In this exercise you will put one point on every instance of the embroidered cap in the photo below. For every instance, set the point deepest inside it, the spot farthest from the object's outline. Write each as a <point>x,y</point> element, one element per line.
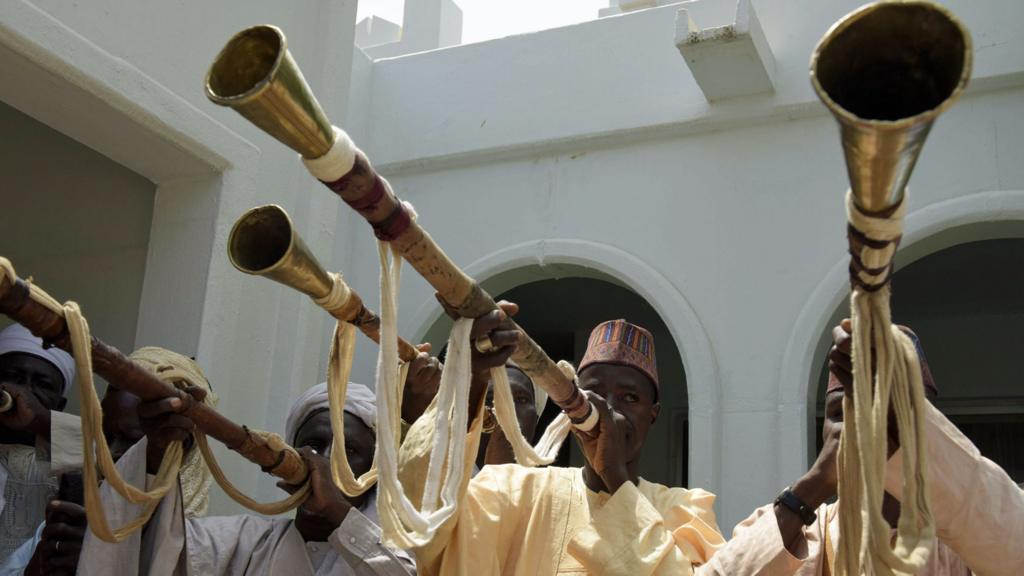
<point>624,344</point>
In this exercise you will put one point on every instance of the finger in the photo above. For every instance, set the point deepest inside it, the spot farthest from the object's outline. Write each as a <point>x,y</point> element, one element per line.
<point>501,338</point>
<point>493,359</point>
<point>67,560</point>
<point>197,392</point>
<point>847,325</point>
<point>844,376</point>
<point>841,358</point>
<point>69,512</point>
<point>314,461</point>
<point>510,308</point>
<point>487,323</point>
<point>289,488</point>
<point>601,405</point>
<point>435,370</point>
<point>171,405</point>
<point>425,347</point>
<point>842,339</point>
<point>62,531</point>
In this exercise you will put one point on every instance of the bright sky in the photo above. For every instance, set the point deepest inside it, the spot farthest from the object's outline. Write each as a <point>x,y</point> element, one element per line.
<point>486,19</point>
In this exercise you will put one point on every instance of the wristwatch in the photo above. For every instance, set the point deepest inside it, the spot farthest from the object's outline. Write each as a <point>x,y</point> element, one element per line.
<point>791,501</point>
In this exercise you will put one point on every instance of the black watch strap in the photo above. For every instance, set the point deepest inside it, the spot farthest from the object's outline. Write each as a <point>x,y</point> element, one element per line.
<point>791,501</point>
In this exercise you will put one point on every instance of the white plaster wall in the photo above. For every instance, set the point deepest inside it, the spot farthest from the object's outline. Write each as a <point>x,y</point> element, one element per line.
<point>142,65</point>
<point>596,134</point>
<point>587,145</point>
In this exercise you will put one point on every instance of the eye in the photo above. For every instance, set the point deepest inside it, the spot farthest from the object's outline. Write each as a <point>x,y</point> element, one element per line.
<point>631,397</point>
<point>521,399</point>
<point>835,414</point>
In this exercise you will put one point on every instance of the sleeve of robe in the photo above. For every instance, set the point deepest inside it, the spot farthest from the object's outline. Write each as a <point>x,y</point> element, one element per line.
<point>667,532</point>
<point>978,509</point>
<point>133,556</point>
<point>358,541</point>
<point>757,548</point>
<point>65,443</point>
<point>482,513</point>
<point>16,563</point>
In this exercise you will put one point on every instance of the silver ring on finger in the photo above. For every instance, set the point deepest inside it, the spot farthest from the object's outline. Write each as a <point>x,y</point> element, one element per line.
<point>57,547</point>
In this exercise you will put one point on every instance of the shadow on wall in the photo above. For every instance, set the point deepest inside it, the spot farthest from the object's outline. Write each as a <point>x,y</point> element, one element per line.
<point>966,305</point>
<point>559,315</point>
<point>77,223</point>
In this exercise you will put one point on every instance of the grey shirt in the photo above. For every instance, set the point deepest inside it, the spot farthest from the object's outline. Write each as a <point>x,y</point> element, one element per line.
<point>241,545</point>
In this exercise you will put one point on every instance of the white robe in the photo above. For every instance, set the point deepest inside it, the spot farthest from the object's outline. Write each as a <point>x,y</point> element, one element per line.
<point>29,478</point>
<point>232,545</point>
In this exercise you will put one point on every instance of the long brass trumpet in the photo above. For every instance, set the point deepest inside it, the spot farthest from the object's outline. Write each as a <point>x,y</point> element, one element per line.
<point>263,242</point>
<point>886,71</point>
<point>255,74</point>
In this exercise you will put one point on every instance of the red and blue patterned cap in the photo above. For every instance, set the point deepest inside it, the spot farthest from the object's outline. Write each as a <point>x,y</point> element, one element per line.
<point>624,344</point>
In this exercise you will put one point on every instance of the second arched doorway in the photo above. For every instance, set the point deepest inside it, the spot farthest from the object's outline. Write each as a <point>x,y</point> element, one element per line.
<point>559,315</point>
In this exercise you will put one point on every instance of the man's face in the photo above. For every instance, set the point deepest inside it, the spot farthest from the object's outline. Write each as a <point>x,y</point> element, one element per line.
<point>522,396</point>
<point>121,423</point>
<point>523,399</point>
<point>833,414</point>
<point>35,374</point>
<point>360,443</point>
<point>631,399</point>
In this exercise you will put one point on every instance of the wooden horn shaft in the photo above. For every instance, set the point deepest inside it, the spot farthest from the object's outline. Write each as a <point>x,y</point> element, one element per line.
<point>368,322</point>
<point>364,190</point>
<point>123,373</point>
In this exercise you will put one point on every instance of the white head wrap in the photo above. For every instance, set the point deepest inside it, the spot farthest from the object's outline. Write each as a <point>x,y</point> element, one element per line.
<point>174,368</point>
<point>17,338</point>
<point>360,402</point>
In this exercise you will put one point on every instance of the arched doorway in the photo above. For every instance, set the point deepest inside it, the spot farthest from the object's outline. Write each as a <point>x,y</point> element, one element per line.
<point>989,215</point>
<point>559,314</point>
<point>966,304</point>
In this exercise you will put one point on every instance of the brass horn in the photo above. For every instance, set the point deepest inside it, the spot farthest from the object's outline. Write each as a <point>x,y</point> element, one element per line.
<point>263,242</point>
<point>255,74</point>
<point>886,71</point>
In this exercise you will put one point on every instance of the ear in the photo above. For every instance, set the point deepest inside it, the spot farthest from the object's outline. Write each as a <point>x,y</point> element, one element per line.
<point>655,410</point>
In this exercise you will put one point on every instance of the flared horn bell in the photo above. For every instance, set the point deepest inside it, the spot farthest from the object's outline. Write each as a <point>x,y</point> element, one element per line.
<point>886,71</point>
<point>263,242</point>
<point>256,75</point>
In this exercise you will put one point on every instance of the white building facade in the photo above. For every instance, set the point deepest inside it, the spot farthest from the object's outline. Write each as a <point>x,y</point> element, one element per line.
<point>585,162</point>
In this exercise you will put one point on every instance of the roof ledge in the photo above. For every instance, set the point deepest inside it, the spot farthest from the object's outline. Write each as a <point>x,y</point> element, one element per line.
<point>726,61</point>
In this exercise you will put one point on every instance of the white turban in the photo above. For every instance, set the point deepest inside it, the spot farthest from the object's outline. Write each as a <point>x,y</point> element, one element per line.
<point>172,368</point>
<point>360,402</point>
<point>17,338</point>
